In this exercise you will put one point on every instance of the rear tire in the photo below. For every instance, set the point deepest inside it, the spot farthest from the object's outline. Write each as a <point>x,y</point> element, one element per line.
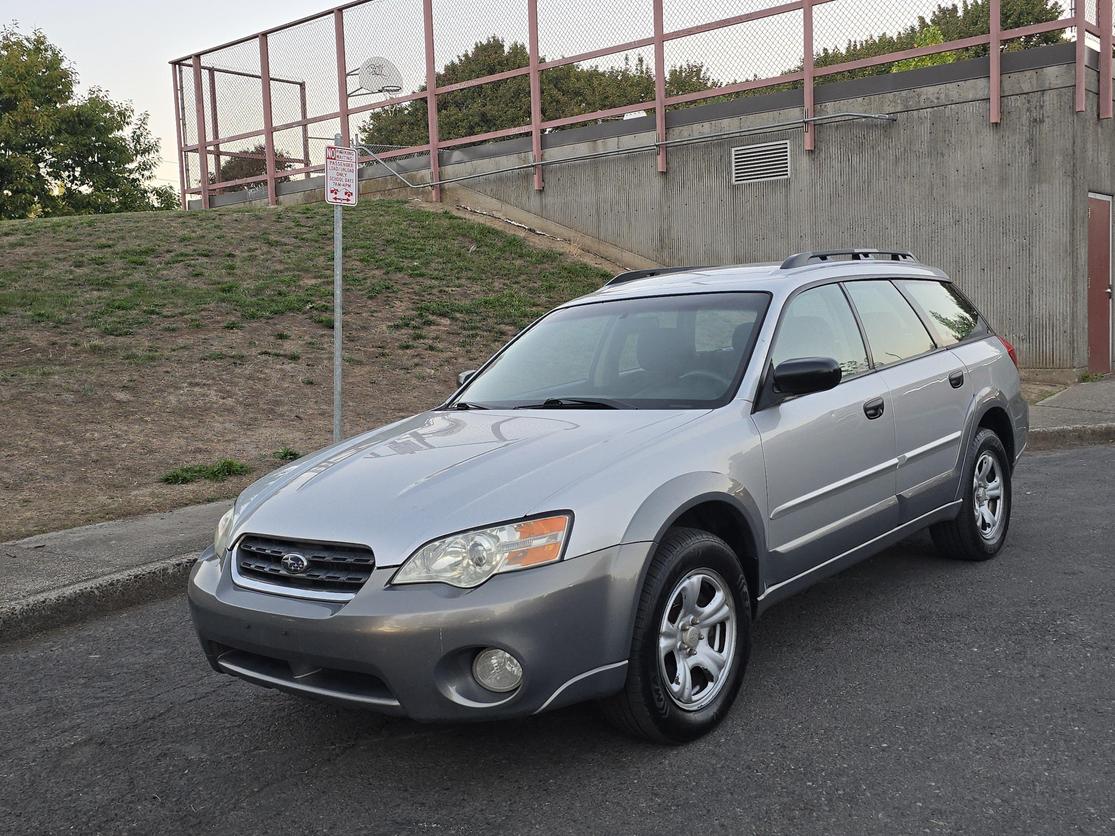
<point>980,529</point>
<point>691,642</point>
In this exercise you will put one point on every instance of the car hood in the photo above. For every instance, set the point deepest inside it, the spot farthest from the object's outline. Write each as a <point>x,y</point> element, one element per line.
<point>441,472</point>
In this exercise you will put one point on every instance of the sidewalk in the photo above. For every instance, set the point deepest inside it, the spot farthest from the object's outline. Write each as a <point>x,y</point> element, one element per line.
<point>53,578</point>
<point>1082,414</point>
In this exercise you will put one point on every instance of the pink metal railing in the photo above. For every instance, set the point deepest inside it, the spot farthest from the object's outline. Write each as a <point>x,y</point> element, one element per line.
<point>210,144</point>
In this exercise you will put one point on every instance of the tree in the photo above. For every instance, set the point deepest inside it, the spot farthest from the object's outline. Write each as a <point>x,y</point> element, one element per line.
<point>566,91</point>
<point>61,154</point>
<point>250,163</point>
<point>946,23</point>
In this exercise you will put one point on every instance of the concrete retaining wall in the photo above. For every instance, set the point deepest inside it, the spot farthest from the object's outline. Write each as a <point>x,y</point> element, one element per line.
<point>1001,208</point>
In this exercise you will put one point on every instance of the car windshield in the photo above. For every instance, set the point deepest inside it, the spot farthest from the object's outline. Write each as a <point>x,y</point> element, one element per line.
<point>663,352</point>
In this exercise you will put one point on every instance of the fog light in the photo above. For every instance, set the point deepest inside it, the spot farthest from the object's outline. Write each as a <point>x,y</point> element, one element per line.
<point>497,670</point>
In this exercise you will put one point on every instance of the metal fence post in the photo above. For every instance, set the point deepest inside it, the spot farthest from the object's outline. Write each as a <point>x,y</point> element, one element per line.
<point>268,131</point>
<point>659,86</point>
<point>342,72</point>
<point>995,60</point>
<point>1081,55</point>
<point>303,109</point>
<point>216,126</point>
<point>202,147</point>
<point>176,81</point>
<point>807,73</point>
<point>1104,20</point>
<point>535,93</point>
<point>431,95</point>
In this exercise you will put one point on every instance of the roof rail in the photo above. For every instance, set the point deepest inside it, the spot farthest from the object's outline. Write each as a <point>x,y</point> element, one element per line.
<point>649,272</point>
<point>855,254</point>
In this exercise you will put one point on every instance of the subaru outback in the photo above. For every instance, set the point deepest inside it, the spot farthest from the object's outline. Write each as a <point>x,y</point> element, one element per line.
<point>602,510</point>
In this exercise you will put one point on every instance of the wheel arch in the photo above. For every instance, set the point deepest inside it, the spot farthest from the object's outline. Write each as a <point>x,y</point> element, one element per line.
<point>996,418</point>
<point>712,502</point>
<point>990,411</point>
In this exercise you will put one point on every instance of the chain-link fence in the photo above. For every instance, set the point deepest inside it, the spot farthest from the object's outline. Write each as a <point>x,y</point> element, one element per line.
<point>411,77</point>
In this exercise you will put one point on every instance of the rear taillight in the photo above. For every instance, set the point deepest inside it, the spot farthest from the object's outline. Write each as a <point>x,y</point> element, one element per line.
<point>1010,350</point>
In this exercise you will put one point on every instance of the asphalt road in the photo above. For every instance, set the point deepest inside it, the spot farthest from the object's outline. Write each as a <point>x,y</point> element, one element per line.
<point>908,695</point>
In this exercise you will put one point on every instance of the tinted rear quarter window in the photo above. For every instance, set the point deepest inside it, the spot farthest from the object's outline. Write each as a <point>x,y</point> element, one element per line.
<point>894,330</point>
<point>952,317</point>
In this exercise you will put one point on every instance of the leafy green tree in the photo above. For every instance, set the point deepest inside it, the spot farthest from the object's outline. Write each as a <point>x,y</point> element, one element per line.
<point>929,36</point>
<point>254,164</point>
<point>566,91</point>
<point>64,155</point>
<point>948,23</point>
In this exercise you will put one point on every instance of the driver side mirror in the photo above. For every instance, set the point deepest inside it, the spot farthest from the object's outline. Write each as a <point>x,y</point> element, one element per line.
<point>806,375</point>
<point>465,377</point>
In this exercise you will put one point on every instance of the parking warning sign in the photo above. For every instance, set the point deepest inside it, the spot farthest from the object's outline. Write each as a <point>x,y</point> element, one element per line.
<point>340,176</point>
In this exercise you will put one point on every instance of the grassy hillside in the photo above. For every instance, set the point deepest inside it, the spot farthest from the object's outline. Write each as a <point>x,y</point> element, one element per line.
<point>189,347</point>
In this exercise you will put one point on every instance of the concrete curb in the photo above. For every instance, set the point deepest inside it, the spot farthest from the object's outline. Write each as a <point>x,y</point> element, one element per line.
<point>95,597</point>
<point>1054,438</point>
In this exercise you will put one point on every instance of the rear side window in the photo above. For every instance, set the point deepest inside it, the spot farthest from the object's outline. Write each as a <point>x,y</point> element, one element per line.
<point>894,330</point>
<point>950,315</point>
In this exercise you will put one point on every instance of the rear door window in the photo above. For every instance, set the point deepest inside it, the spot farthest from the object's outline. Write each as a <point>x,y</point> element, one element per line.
<point>952,317</point>
<point>894,330</point>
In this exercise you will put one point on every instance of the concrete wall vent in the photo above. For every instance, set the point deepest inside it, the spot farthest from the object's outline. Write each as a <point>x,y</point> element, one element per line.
<point>762,162</point>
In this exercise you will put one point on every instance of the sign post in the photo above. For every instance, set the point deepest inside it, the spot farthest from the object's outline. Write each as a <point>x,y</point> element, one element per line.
<point>340,190</point>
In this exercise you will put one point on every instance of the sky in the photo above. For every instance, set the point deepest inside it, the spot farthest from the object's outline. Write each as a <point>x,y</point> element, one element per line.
<point>125,48</point>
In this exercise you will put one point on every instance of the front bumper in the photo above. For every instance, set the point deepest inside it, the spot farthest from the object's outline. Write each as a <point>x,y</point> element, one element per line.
<point>408,650</point>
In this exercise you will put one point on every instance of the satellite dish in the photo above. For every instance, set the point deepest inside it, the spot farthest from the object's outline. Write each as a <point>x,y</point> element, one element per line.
<point>378,75</point>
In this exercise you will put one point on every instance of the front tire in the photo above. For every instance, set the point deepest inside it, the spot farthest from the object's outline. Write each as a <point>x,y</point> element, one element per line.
<point>980,529</point>
<point>691,642</point>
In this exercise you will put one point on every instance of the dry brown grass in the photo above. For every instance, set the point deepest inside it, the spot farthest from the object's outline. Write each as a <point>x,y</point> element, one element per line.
<point>132,345</point>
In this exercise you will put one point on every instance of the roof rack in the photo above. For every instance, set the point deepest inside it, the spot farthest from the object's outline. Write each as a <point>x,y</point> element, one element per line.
<point>856,254</point>
<point>649,272</point>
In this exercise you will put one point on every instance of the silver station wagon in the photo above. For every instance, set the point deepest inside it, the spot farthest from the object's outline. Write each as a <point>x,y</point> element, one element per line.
<point>603,509</point>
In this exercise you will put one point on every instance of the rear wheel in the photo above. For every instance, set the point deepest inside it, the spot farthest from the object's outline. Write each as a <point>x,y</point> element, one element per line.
<point>980,529</point>
<point>691,642</point>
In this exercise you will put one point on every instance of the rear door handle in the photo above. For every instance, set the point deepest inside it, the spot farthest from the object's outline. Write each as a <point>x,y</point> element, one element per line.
<point>874,409</point>
<point>956,380</point>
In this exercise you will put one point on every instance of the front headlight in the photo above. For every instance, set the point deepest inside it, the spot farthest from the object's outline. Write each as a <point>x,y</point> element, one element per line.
<point>224,529</point>
<point>470,558</point>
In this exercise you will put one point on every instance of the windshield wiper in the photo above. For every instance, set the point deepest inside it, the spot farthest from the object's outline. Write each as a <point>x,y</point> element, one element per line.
<point>576,403</point>
<point>468,405</point>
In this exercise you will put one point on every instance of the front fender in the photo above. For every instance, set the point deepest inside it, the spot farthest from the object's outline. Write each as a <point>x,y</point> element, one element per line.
<point>671,500</point>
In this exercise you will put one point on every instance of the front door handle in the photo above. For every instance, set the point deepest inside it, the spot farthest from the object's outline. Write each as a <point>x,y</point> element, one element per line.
<point>874,409</point>
<point>956,380</point>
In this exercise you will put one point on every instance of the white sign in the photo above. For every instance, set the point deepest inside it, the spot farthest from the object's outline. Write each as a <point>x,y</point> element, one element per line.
<point>340,176</point>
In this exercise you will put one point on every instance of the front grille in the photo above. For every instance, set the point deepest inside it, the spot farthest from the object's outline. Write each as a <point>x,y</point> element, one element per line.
<point>333,567</point>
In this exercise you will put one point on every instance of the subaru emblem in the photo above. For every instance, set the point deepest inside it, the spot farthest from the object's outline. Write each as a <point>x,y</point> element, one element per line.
<point>295,564</point>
